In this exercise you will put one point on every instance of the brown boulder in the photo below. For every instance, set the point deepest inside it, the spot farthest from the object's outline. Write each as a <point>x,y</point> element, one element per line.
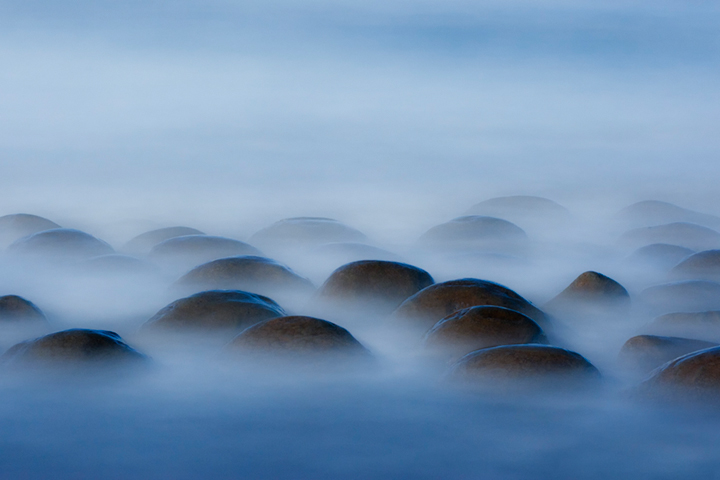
<point>474,231</point>
<point>704,325</point>
<point>647,352</point>
<point>374,283</point>
<point>437,301</point>
<point>685,295</point>
<point>17,309</point>
<point>694,375</point>
<point>590,291</point>
<point>699,266</point>
<point>475,328</point>
<point>63,243</point>
<point>305,231</point>
<point>659,255</point>
<point>188,251</point>
<point>143,243</point>
<point>215,310</point>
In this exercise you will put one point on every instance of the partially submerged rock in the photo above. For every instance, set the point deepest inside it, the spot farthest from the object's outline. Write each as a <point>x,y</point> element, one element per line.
<point>688,235</point>
<point>533,363</point>
<point>428,306</point>
<point>374,284</point>
<point>346,252</point>
<point>475,231</point>
<point>702,265</point>
<point>16,309</point>
<point>590,291</point>
<point>705,325</point>
<point>480,327</point>
<point>143,243</point>
<point>297,336</point>
<point>224,310</point>
<point>695,375</point>
<point>686,295</point>
<point>525,210</point>
<point>659,255</point>
<point>653,212</point>
<point>60,243</point>
<point>117,264</point>
<point>647,352</point>
<point>19,225</point>
<point>188,251</point>
<point>75,347</point>
<point>250,273</point>
<point>304,232</point>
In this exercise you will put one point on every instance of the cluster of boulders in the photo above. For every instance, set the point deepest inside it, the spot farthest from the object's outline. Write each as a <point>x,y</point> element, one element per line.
<point>485,333</point>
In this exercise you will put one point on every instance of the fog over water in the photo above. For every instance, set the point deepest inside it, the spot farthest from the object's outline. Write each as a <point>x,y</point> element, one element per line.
<point>391,117</point>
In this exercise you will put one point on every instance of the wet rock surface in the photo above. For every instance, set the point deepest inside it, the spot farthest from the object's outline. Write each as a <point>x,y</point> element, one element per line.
<point>143,243</point>
<point>524,362</point>
<point>224,310</point>
<point>647,352</point>
<point>428,306</point>
<point>17,309</point>
<point>60,243</point>
<point>590,291</point>
<point>297,335</point>
<point>695,375</point>
<point>75,347</point>
<point>476,328</point>
<point>374,284</point>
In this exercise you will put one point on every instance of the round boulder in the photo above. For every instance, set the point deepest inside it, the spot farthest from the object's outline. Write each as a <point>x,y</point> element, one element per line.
<point>215,310</point>
<point>688,295</point>
<point>475,328</point>
<point>143,243</point>
<point>474,231</point>
<point>116,264</point>
<point>305,231</point>
<point>687,235</point>
<point>647,352</point>
<point>590,290</point>
<point>704,325</point>
<point>700,266</point>
<point>19,225</point>
<point>188,251</point>
<point>297,335</point>
<point>374,283</point>
<point>437,301</point>
<point>696,374</point>
<point>524,362</point>
<point>17,309</point>
<point>73,347</point>
<point>250,273</point>
<point>62,243</point>
<point>659,255</point>
<point>525,210</point>
<point>653,212</point>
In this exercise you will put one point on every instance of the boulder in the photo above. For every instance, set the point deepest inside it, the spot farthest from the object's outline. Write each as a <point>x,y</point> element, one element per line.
<point>73,347</point>
<point>305,231</point>
<point>16,309</point>
<point>297,335</point>
<point>215,310</point>
<point>143,243</point>
<point>475,231</point>
<point>705,325</point>
<point>437,301</point>
<point>688,295</point>
<point>590,291</point>
<point>647,352</point>
<point>525,210</point>
<point>699,266</point>
<point>523,362</point>
<point>346,252</point>
<point>684,234</point>
<point>117,264</point>
<point>19,225</point>
<point>60,243</point>
<point>695,375</point>
<point>476,328</point>
<point>374,283</point>
<point>189,251</point>
<point>659,255</point>
<point>653,212</point>
<point>254,274</point>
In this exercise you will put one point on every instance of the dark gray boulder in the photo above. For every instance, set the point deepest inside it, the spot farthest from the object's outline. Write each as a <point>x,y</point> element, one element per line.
<point>653,212</point>
<point>699,266</point>
<point>189,251</point>
<point>143,243</point>
<point>688,235</point>
<point>473,232</point>
<point>15,309</point>
<point>705,325</point>
<point>688,295</point>
<point>661,256</point>
<point>60,243</point>
<point>303,232</point>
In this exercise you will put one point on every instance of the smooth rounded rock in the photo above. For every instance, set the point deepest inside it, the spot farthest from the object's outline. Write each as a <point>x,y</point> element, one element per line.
<point>704,325</point>
<point>191,250</point>
<point>695,375</point>
<point>437,301</point>
<point>297,335</point>
<point>688,295</point>
<point>653,212</point>
<point>688,235</point>
<point>524,210</point>
<point>346,252</point>
<point>143,243</point>
<point>374,283</point>
<point>73,347</point>
<point>699,266</point>
<point>250,273</point>
<point>647,352</point>
<point>306,231</point>
<point>215,310</point>
<point>18,225</point>
<point>590,290</point>
<point>660,255</point>
<point>61,243</point>
<point>475,328</point>
<point>524,362</point>
<point>117,264</point>
<point>474,231</point>
<point>17,309</point>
